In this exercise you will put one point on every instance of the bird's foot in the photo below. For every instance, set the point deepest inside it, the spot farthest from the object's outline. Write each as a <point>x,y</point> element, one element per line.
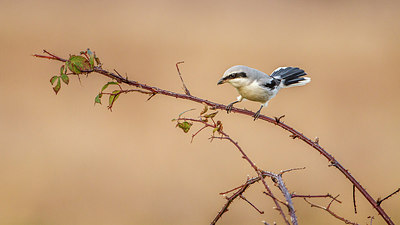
<point>229,108</point>
<point>256,115</point>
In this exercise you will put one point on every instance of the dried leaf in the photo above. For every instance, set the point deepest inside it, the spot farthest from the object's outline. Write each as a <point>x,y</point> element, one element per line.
<point>205,109</point>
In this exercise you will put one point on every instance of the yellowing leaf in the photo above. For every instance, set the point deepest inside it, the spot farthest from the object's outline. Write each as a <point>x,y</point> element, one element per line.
<point>211,115</point>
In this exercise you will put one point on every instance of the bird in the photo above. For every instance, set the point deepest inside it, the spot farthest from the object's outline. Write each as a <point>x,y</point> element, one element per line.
<point>255,85</point>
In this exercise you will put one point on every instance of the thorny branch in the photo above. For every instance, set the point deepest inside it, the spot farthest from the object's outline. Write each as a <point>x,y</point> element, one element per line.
<point>294,133</point>
<point>330,211</point>
<point>261,175</point>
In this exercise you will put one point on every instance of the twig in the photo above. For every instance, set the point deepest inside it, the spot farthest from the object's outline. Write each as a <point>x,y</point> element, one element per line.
<point>379,201</point>
<point>194,135</point>
<point>229,202</point>
<point>316,196</point>
<point>354,199</point>
<point>280,201</point>
<point>290,170</point>
<point>294,133</point>
<point>330,211</point>
<point>242,197</point>
<point>180,76</point>
<point>372,218</point>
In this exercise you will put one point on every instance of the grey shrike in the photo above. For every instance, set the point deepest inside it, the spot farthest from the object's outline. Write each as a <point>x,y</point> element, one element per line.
<point>255,85</point>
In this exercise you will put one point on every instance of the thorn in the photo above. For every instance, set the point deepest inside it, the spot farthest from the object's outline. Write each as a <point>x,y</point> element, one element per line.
<point>294,136</point>
<point>333,163</point>
<point>187,92</point>
<point>316,140</point>
<point>278,119</point>
<point>151,96</point>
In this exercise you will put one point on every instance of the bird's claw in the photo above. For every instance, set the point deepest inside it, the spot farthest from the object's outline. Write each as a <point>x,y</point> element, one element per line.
<point>256,115</point>
<point>229,108</point>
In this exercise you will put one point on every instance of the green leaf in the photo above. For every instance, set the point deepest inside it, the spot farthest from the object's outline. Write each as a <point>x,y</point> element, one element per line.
<point>113,97</point>
<point>77,64</point>
<point>62,69</point>
<point>108,84</point>
<point>185,126</point>
<point>98,98</point>
<point>53,79</point>
<point>211,115</point>
<point>58,86</point>
<point>65,78</point>
<point>91,58</point>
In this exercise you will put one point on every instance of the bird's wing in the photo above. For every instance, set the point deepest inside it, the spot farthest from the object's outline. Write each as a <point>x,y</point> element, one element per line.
<point>269,82</point>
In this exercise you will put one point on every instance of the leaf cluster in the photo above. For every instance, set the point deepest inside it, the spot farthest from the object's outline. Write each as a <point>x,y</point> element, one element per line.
<point>76,64</point>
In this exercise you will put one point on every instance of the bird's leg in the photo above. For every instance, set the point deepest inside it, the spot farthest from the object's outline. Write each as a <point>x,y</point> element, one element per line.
<point>229,107</point>
<point>257,114</point>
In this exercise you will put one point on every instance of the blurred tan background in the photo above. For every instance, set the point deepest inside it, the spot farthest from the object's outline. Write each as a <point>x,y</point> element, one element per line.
<point>64,161</point>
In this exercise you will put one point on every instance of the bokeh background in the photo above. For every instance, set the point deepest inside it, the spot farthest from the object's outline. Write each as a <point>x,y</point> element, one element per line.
<point>65,161</point>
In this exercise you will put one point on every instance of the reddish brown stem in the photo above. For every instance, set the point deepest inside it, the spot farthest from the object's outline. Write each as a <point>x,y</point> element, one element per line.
<point>252,205</point>
<point>294,133</point>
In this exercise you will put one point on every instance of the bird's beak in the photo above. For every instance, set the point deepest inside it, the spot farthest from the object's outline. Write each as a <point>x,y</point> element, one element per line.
<point>221,82</point>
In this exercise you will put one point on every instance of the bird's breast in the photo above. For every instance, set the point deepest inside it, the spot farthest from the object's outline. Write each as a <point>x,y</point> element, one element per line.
<point>254,92</point>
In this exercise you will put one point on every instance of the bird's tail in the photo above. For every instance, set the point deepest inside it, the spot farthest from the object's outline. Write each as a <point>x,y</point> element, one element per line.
<point>291,76</point>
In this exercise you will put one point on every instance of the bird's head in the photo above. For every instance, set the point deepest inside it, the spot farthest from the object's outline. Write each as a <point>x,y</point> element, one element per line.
<point>236,75</point>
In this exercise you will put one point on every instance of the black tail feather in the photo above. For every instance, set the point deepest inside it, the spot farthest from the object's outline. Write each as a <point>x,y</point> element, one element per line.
<point>289,75</point>
<point>293,81</point>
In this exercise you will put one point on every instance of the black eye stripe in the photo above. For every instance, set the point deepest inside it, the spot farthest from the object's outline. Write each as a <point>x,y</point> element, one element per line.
<point>235,75</point>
